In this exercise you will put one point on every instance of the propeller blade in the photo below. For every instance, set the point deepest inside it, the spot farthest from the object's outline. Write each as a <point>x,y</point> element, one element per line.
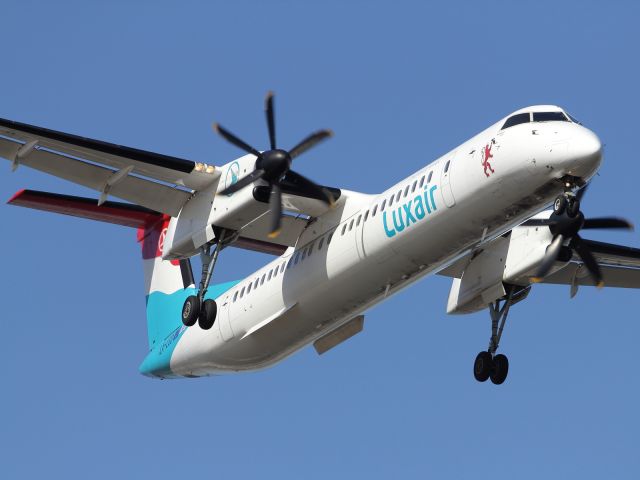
<point>308,188</point>
<point>310,142</point>
<point>231,138</point>
<point>553,250</point>
<point>589,260</point>
<point>539,222</point>
<point>243,182</point>
<point>607,222</point>
<point>275,209</point>
<point>271,123</point>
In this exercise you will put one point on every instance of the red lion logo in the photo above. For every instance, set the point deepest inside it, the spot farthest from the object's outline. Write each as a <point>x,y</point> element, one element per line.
<point>485,159</point>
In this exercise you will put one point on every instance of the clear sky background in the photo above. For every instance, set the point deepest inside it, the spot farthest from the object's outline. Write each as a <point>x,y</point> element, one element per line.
<point>400,83</point>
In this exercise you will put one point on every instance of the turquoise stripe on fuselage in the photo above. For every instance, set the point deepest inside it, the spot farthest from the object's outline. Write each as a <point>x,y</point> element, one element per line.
<point>164,318</point>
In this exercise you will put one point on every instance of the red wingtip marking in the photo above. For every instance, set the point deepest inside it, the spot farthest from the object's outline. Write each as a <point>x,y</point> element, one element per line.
<point>16,195</point>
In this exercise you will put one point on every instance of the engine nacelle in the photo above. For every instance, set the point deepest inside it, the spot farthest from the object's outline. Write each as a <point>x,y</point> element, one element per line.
<point>511,259</point>
<point>193,228</point>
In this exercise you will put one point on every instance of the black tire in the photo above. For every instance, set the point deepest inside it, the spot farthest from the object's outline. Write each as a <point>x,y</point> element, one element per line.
<point>208,314</point>
<point>573,208</point>
<point>483,366</point>
<point>500,369</point>
<point>190,311</point>
<point>560,205</point>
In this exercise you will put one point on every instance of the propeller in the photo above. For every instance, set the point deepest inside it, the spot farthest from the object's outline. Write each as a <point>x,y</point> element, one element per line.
<point>565,226</point>
<point>274,165</point>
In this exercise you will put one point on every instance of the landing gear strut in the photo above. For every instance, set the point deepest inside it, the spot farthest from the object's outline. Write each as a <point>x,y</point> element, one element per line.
<point>196,308</point>
<point>488,365</point>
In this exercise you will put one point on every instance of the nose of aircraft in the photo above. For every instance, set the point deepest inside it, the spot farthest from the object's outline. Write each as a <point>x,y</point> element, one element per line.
<point>585,153</point>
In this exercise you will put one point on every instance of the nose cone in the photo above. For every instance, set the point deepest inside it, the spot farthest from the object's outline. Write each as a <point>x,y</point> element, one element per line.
<point>585,153</point>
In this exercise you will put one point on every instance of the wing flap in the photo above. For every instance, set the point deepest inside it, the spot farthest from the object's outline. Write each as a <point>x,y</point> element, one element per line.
<point>160,167</point>
<point>146,193</point>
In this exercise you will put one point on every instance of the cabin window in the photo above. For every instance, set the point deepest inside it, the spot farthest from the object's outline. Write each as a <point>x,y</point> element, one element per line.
<point>295,262</point>
<point>516,120</point>
<point>446,166</point>
<point>248,289</point>
<point>375,210</point>
<point>310,249</point>
<point>358,221</point>
<point>321,243</point>
<point>398,195</point>
<point>406,191</point>
<point>344,229</point>
<point>366,215</point>
<point>235,296</point>
<point>281,268</point>
<point>384,203</point>
<point>350,224</point>
<point>290,264</point>
<point>330,237</point>
<point>242,292</point>
<point>413,187</point>
<point>263,279</point>
<point>549,117</point>
<point>422,181</point>
<point>391,200</point>
<point>270,275</point>
<point>430,176</point>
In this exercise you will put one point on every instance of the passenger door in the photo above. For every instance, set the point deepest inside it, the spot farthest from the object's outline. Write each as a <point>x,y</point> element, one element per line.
<point>224,319</point>
<point>359,229</point>
<point>445,181</point>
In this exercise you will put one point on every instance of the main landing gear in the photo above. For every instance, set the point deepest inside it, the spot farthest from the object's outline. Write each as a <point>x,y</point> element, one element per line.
<point>488,365</point>
<point>196,308</point>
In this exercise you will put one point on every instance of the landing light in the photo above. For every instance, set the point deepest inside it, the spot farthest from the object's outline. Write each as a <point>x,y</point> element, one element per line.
<point>203,167</point>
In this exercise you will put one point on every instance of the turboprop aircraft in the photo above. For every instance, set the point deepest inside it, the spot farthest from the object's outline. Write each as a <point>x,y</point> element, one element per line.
<point>497,214</point>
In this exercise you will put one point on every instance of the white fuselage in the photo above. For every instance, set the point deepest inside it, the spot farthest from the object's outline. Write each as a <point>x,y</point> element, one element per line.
<point>429,219</point>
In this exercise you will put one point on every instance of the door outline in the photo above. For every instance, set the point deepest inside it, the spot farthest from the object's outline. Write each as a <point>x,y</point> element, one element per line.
<point>445,181</point>
<point>359,235</point>
<point>224,319</point>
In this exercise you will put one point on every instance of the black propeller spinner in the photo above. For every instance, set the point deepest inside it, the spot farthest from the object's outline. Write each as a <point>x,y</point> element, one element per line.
<point>565,222</point>
<point>273,165</point>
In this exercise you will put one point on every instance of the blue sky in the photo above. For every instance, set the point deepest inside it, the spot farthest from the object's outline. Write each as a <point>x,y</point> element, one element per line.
<point>400,83</point>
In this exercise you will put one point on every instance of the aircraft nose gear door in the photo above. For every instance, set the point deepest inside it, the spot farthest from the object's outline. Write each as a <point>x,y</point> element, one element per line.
<point>445,181</point>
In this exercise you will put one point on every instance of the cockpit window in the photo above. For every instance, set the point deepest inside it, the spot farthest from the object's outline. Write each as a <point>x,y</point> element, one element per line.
<point>549,117</point>
<point>516,120</point>
<point>573,119</point>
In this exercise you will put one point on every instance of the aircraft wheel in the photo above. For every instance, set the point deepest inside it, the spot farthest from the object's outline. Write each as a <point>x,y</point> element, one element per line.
<point>500,369</point>
<point>573,207</point>
<point>190,311</point>
<point>208,314</point>
<point>482,366</point>
<point>560,205</point>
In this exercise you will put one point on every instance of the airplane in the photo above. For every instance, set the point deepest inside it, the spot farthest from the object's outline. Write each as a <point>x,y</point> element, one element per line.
<point>497,214</point>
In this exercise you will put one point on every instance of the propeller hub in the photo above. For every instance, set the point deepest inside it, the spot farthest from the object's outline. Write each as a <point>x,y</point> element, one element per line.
<point>275,164</point>
<point>565,225</point>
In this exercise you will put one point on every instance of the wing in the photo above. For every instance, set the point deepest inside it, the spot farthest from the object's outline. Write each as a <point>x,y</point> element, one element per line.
<point>159,182</point>
<point>620,267</point>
